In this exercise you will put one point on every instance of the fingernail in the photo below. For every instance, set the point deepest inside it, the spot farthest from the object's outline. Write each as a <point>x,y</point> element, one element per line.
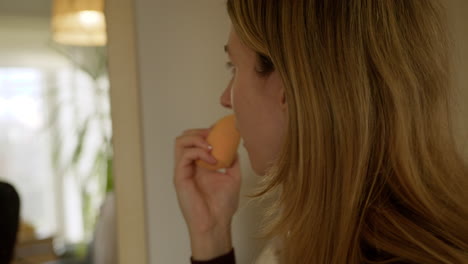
<point>209,147</point>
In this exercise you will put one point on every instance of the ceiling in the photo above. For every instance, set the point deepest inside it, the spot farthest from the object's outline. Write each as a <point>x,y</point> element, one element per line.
<point>36,8</point>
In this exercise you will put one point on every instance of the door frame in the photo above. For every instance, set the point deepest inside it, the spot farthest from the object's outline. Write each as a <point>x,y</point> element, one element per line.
<point>127,132</point>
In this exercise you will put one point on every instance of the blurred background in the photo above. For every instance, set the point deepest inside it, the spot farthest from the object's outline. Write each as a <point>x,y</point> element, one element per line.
<point>55,127</point>
<point>92,190</point>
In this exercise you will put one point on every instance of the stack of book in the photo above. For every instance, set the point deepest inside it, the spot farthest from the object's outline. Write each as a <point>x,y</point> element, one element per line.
<point>35,251</point>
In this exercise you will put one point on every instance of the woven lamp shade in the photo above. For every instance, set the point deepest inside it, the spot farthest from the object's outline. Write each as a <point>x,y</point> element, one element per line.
<point>79,22</point>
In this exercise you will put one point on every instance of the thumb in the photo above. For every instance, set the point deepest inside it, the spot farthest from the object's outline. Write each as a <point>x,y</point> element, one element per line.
<point>235,169</point>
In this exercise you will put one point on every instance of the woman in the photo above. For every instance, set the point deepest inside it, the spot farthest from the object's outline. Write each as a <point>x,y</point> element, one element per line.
<point>343,108</point>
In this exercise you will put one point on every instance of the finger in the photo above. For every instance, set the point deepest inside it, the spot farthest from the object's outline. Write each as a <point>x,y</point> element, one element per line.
<point>235,168</point>
<point>185,165</point>
<point>187,141</point>
<point>184,142</point>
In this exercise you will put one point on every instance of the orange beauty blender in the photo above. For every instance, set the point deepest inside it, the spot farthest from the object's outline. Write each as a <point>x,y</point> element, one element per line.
<point>224,138</point>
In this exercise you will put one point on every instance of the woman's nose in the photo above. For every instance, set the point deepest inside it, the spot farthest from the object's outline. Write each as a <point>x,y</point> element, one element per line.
<point>226,97</point>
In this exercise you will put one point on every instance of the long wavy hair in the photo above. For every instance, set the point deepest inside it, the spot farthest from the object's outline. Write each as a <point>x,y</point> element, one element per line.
<point>369,171</point>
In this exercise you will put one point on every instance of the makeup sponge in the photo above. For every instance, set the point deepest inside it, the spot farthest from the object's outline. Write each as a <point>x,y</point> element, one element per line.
<point>224,138</point>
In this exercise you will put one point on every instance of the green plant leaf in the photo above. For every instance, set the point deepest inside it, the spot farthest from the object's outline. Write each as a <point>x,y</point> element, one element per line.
<point>110,176</point>
<point>82,131</point>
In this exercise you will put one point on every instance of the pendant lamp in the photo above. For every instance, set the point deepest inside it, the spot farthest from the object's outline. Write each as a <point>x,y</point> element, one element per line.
<point>79,22</point>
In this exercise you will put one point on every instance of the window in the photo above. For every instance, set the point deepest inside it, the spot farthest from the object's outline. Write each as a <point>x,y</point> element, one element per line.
<point>25,146</point>
<point>46,116</point>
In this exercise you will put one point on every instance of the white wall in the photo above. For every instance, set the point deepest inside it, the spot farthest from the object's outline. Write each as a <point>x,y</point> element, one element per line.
<point>182,74</point>
<point>458,19</point>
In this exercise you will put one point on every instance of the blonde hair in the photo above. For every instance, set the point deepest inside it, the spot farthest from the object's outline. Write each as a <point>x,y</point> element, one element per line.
<point>369,171</point>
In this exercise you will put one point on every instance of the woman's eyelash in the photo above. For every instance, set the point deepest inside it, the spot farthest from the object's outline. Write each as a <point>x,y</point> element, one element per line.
<point>230,67</point>
<point>265,65</point>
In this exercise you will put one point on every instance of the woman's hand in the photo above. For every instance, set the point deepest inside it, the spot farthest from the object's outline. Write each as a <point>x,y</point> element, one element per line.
<point>208,199</point>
